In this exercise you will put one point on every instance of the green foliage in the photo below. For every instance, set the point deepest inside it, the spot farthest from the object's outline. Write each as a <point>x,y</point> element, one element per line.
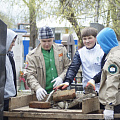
<point>77,12</point>
<point>115,15</point>
<point>111,14</point>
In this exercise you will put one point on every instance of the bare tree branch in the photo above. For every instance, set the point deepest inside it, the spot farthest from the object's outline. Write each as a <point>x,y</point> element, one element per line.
<point>113,2</point>
<point>26,2</point>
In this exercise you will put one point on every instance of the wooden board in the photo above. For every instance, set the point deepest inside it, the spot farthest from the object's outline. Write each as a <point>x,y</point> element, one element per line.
<point>26,113</point>
<point>50,110</point>
<point>38,104</point>
<point>61,95</point>
<point>79,99</point>
<point>20,101</point>
<point>90,105</point>
<point>52,115</point>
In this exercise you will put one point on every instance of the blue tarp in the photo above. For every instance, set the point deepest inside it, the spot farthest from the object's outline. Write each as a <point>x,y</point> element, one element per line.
<point>26,47</point>
<point>19,30</point>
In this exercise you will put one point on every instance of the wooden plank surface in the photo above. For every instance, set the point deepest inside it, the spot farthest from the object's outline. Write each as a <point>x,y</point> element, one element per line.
<point>50,110</point>
<point>57,116</point>
<point>36,119</point>
<point>53,116</point>
<point>21,101</point>
<point>21,111</point>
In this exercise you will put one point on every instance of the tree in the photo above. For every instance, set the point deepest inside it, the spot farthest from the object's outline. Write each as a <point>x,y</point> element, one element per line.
<point>73,11</point>
<point>111,14</point>
<point>105,12</point>
<point>32,20</point>
<point>33,6</point>
<point>8,21</point>
<point>69,14</point>
<point>115,15</point>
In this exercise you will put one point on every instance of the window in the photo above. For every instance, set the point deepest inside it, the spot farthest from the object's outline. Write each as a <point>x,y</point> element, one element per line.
<point>57,36</point>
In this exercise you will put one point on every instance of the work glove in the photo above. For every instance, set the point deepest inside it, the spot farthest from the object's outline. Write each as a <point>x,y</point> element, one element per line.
<point>91,82</point>
<point>40,94</point>
<point>62,86</point>
<point>57,81</point>
<point>108,114</point>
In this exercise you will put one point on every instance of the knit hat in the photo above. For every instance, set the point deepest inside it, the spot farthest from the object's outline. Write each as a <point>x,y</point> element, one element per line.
<point>45,33</point>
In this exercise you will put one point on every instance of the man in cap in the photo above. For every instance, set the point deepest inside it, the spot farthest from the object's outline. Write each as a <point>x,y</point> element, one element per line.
<point>46,65</point>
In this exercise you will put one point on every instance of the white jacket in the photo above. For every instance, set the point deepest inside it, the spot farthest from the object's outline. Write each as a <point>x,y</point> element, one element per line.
<point>91,63</point>
<point>9,90</point>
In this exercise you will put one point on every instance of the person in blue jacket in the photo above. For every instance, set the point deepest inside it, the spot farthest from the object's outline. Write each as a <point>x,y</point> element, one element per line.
<point>109,93</point>
<point>90,57</point>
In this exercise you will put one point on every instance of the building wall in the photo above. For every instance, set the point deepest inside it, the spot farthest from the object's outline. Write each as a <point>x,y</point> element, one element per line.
<point>63,31</point>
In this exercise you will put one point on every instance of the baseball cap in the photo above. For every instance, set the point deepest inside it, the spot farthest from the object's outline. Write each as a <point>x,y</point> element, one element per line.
<point>45,33</point>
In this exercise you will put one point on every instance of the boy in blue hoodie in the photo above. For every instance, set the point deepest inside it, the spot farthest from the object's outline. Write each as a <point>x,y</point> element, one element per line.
<point>109,92</point>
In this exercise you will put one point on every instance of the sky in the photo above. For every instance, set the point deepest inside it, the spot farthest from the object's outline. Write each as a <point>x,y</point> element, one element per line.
<point>13,11</point>
<point>18,13</point>
<point>17,10</point>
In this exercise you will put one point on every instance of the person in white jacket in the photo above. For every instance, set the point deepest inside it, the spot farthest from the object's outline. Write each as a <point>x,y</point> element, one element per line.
<point>10,83</point>
<point>90,57</point>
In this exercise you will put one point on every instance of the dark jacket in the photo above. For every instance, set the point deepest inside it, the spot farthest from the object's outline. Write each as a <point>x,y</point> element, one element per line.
<point>75,65</point>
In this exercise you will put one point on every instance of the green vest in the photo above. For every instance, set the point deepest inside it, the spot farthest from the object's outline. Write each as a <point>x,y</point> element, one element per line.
<point>51,72</point>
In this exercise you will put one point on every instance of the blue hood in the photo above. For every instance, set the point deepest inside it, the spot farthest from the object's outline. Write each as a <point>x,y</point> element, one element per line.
<point>107,39</point>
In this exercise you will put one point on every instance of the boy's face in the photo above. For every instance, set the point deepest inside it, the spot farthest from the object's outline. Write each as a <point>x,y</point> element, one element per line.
<point>46,43</point>
<point>12,44</point>
<point>89,41</point>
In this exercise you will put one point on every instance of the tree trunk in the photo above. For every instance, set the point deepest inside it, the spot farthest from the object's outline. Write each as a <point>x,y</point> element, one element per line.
<point>97,4</point>
<point>33,28</point>
<point>69,15</point>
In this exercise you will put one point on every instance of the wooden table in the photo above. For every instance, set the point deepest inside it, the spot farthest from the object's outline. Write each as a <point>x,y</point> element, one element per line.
<point>19,110</point>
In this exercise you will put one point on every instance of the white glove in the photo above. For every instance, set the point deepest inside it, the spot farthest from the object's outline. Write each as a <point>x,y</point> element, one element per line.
<point>40,94</point>
<point>108,114</point>
<point>57,81</point>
